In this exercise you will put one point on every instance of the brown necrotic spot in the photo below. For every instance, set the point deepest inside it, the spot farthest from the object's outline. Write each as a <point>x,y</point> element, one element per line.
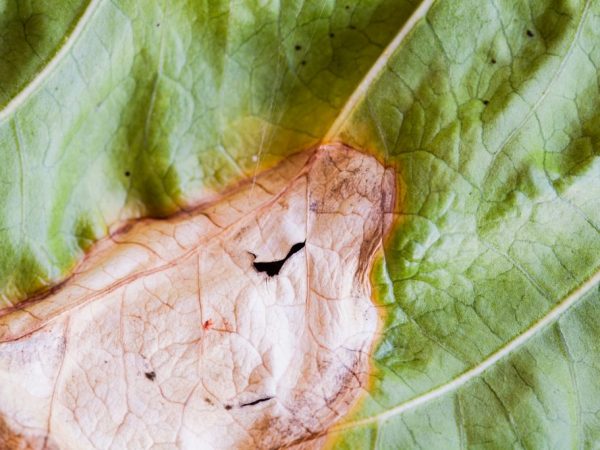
<point>336,198</point>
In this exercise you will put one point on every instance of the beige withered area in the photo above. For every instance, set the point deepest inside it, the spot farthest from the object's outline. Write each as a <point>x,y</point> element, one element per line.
<point>245,323</point>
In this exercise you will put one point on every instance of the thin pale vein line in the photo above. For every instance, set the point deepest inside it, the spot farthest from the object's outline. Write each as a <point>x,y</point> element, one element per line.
<point>462,379</point>
<point>41,76</point>
<point>20,151</point>
<point>376,69</point>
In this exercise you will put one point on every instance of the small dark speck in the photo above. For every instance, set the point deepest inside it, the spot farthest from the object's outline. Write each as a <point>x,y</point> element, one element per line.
<point>485,102</point>
<point>298,47</point>
<point>331,35</point>
<point>529,33</point>
<point>158,25</point>
<point>105,362</point>
<point>127,173</point>
<point>208,400</point>
<point>303,62</point>
<point>352,27</point>
<point>150,375</point>
<point>493,60</point>
<point>347,6</point>
<point>228,407</point>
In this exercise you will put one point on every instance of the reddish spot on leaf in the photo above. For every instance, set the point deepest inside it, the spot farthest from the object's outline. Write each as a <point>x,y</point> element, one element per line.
<point>207,324</point>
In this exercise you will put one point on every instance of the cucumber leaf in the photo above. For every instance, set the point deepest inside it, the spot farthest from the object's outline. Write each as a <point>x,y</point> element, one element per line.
<point>488,112</point>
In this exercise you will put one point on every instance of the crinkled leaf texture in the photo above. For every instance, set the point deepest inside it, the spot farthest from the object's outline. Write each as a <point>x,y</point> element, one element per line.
<point>488,112</point>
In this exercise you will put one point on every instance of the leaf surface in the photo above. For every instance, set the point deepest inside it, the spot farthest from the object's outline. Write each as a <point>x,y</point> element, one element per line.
<point>488,112</point>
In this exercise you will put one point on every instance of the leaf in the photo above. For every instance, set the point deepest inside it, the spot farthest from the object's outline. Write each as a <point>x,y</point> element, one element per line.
<point>487,111</point>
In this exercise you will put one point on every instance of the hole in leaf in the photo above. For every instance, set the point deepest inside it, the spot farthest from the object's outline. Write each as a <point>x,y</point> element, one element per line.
<point>256,402</point>
<point>529,33</point>
<point>127,173</point>
<point>150,375</point>
<point>485,102</point>
<point>272,268</point>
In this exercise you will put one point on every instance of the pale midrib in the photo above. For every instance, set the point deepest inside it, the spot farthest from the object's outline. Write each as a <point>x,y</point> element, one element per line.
<point>43,74</point>
<point>375,70</point>
<point>477,370</point>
